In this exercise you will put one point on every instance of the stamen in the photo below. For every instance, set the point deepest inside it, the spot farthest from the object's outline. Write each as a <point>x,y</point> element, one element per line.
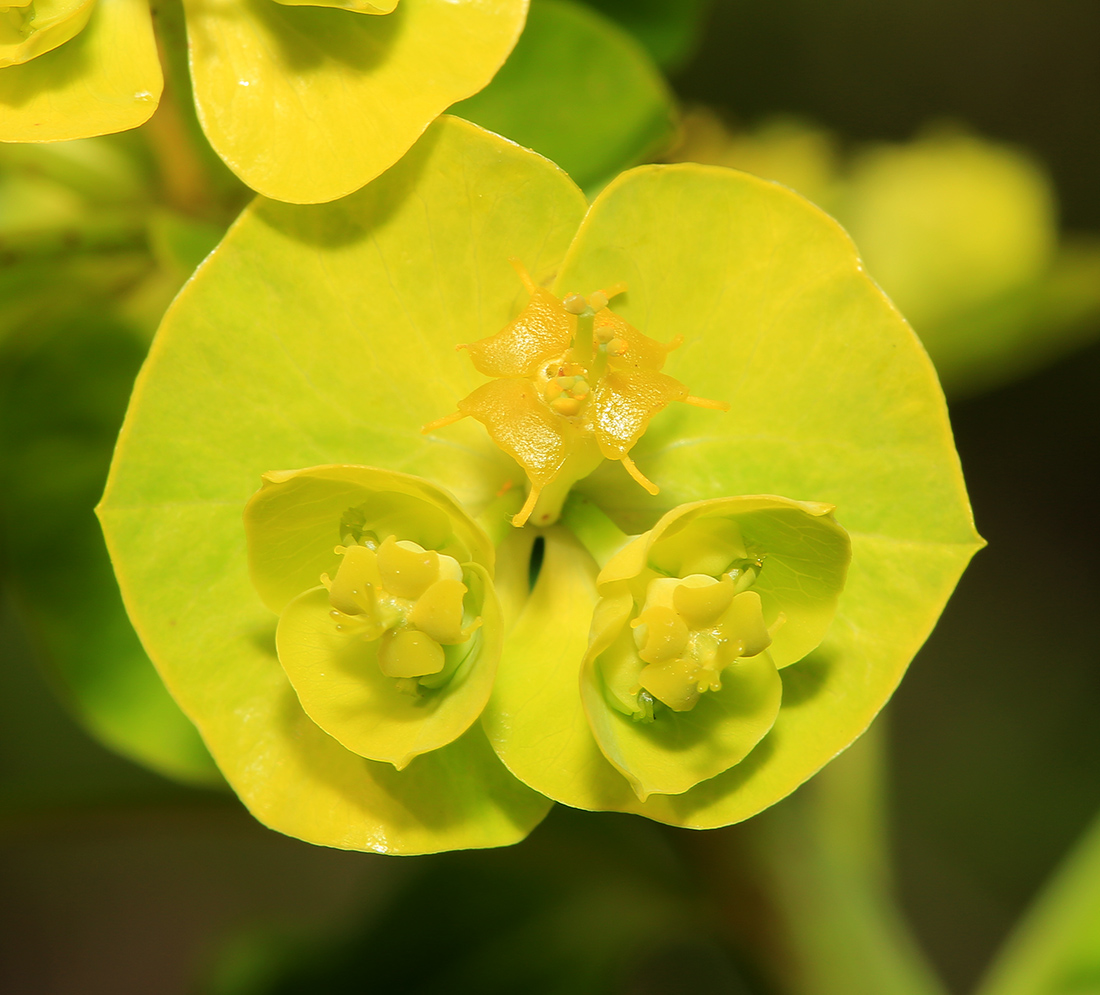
<point>442,422</point>
<point>528,284</point>
<point>703,402</point>
<point>520,518</point>
<point>637,474</point>
<point>575,304</point>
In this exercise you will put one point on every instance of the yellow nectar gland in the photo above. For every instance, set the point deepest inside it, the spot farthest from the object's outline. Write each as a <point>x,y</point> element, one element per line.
<point>573,384</point>
<point>406,598</point>
<point>689,631</point>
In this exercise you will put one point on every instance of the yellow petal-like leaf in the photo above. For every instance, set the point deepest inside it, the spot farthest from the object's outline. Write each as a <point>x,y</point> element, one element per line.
<point>106,79</point>
<point>30,30</point>
<point>306,104</point>
<point>360,6</point>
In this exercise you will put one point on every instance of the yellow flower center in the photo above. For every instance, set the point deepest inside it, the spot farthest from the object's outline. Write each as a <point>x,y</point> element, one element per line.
<point>408,599</point>
<point>690,630</point>
<point>574,384</point>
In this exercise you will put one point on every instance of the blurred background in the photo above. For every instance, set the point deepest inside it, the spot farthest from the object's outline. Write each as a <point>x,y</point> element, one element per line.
<point>959,142</point>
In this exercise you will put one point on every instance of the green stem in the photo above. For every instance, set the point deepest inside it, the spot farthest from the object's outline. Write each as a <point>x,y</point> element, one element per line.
<point>815,869</point>
<point>1055,947</point>
<point>596,532</point>
<point>194,180</point>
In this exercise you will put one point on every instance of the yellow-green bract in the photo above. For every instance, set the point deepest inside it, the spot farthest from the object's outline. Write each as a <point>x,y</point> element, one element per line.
<point>325,335</point>
<point>305,102</point>
<point>699,615</point>
<point>388,652</point>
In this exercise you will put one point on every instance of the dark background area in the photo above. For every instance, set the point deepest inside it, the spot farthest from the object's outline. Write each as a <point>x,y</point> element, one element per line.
<point>995,742</point>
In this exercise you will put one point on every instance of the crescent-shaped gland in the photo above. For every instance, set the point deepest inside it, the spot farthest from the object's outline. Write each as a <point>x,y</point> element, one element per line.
<point>686,645</point>
<point>543,329</point>
<point>408,653</point>
<point>352,590</point>
<point>438,612</point>
<point>406,572</point>
<point>522,425</point>
<point>625,401</point>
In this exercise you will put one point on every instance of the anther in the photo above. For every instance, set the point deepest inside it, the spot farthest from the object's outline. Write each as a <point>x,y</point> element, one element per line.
<point>575,304</point>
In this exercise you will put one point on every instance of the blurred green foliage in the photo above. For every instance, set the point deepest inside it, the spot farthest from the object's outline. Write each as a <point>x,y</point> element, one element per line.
<point>91,261</point>
<point>580,91</point>
<point>670,29</point>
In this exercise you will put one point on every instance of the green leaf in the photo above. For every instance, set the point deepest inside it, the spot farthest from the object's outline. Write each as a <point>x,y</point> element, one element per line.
<point>306,104</point>
<point>316,335</point>
<point>580,91</point>
<point>106,79</point>
<point>668,28</point>
<point>959,230</point>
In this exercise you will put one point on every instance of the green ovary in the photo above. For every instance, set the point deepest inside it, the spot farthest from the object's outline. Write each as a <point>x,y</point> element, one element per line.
<point>691,629</point>
<point>406,598</point>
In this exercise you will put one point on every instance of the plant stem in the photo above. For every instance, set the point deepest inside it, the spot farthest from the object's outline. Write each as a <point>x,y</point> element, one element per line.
<point>1055,947</point>
<point>825,921</point>
<point>596,532</point>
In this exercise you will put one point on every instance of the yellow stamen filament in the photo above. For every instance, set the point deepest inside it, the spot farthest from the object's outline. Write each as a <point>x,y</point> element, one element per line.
<point>637,474</point>
<point>442,422</point>
<point>703,402</point>
<point>520,518</point>
<point>528,284</point>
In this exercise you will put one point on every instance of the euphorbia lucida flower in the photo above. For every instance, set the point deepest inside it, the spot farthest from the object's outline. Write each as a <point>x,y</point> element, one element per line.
<point>393,648</point>
<point>305,101</point>
<point>575,384</point>
<point>326,335</point>
<point>695,618</point>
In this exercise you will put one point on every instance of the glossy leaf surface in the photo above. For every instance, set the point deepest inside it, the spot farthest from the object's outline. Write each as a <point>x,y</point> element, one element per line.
<point>85,87</point>
<point>290,313</point>
<point>306,104</point>
<point>580,91</point>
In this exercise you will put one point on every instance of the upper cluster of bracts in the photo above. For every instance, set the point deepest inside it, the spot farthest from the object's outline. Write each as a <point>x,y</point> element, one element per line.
<point>394,647</point>
<point>574,384</point>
